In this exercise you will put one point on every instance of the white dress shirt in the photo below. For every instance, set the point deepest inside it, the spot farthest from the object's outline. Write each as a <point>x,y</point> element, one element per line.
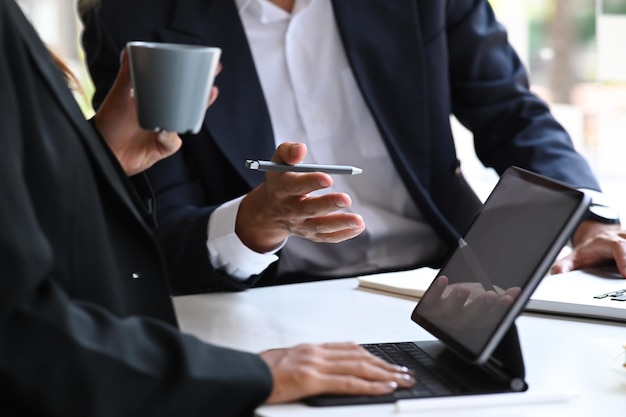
<point>313,98</point>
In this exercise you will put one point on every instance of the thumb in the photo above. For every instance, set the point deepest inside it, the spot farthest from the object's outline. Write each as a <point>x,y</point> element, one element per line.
<point>564,265</point>
<point>290,153</point>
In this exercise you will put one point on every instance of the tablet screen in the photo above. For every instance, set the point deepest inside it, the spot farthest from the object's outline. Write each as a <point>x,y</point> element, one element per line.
<point>499,261</point>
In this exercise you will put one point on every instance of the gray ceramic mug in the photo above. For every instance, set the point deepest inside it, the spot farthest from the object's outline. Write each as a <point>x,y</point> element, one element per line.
<point>172,84</point>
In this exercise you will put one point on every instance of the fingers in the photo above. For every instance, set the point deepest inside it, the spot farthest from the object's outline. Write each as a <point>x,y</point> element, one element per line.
<point>482,306</point>
<point>461,305</point>
<point>214,89</point>
<point>332,368</point>
<point>301,208</point>
<point>568,263</point>
<point>358,363</point>
<point>619,255</point>
<point>346,384</point>
<point>347,350</point>
<point>292,184</point>
<point>213,96</point>
<point>453,305</point>
<point>432,297</point>
<point>124,72</point>
<point>595,244</point>
<point>561,267</point>
<point>122,86</point>
<point>331,228</point>
<point>290,203</point>
<point>282,207</point>
<point>168,143</point>
<point>598,250</point>
<point>290,153</point>
<point>262,229</point>
<point>513,292</point>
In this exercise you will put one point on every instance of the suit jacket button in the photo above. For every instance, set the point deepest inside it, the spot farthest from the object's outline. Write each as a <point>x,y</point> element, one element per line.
<point>135,275</point>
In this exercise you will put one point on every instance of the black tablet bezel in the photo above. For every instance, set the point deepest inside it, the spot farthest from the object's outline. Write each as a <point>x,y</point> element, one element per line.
<point>579,207</point>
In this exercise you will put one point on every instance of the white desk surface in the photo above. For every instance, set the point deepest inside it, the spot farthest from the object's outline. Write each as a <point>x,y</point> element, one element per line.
<point>581,357</point>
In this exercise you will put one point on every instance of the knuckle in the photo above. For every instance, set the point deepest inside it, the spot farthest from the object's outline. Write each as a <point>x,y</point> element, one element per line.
<point>352,384</point>
<point>304,374</point>
<point>308,349</point>
<point>308,210</point>
<point>363,368</point>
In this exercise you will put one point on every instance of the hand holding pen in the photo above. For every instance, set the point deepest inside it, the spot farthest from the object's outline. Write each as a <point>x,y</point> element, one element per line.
<point>270,166</point>
<point>283,205</point>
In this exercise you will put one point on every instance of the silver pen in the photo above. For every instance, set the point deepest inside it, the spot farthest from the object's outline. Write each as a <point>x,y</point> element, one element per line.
<point>270,166</point>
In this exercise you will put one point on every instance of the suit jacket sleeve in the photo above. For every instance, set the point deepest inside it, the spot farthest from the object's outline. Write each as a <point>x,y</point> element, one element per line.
<point>181,228</point>
<point>491,96</point>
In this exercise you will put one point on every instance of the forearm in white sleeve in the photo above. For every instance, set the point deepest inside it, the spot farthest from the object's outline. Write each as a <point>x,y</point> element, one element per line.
<point>227,251</point>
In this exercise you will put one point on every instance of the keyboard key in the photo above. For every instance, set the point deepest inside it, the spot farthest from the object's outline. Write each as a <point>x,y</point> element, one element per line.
<point>430,379</point>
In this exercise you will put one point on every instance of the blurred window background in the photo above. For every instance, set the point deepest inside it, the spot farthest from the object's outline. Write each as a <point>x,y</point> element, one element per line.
<point>58,25</point>
<point>574,50</point>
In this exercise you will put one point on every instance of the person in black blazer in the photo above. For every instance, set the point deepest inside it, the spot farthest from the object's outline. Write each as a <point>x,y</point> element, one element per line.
<point>415,63</point>
<point>87,326</point>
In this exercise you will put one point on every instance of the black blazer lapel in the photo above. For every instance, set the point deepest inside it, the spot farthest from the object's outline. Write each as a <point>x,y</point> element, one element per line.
<point>239,120</point>
<point>381,36</point>
<point>92,142</point>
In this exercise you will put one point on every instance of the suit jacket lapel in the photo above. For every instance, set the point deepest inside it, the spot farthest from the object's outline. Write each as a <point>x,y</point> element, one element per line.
<point>399,107</point>
<point>239,121</point>
<point>376,53</point>
<point>92,142</point>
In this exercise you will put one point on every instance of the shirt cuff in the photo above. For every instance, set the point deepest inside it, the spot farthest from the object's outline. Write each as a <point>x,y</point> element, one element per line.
<point>227,251</point>
<point>597,197</point>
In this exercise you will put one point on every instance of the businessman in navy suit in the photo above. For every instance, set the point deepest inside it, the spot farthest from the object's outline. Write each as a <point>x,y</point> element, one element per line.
<point>366,83</point>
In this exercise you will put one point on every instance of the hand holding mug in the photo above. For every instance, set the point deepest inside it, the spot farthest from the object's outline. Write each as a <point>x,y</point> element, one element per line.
<point>116,120</point>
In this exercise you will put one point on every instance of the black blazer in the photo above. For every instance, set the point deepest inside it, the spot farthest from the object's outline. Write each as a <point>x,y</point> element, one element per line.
<point>87,327</point>
<point>416,62</point>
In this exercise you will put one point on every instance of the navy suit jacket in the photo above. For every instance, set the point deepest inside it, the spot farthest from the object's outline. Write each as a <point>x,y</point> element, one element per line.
<point>87,326</point>
<point>416,62</point>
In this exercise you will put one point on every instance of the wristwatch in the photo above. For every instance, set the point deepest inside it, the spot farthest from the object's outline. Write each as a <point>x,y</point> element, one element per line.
<point>602,214</point>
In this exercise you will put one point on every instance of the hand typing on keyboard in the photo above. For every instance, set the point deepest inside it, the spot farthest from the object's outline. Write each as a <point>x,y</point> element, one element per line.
<point>331,368</point>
